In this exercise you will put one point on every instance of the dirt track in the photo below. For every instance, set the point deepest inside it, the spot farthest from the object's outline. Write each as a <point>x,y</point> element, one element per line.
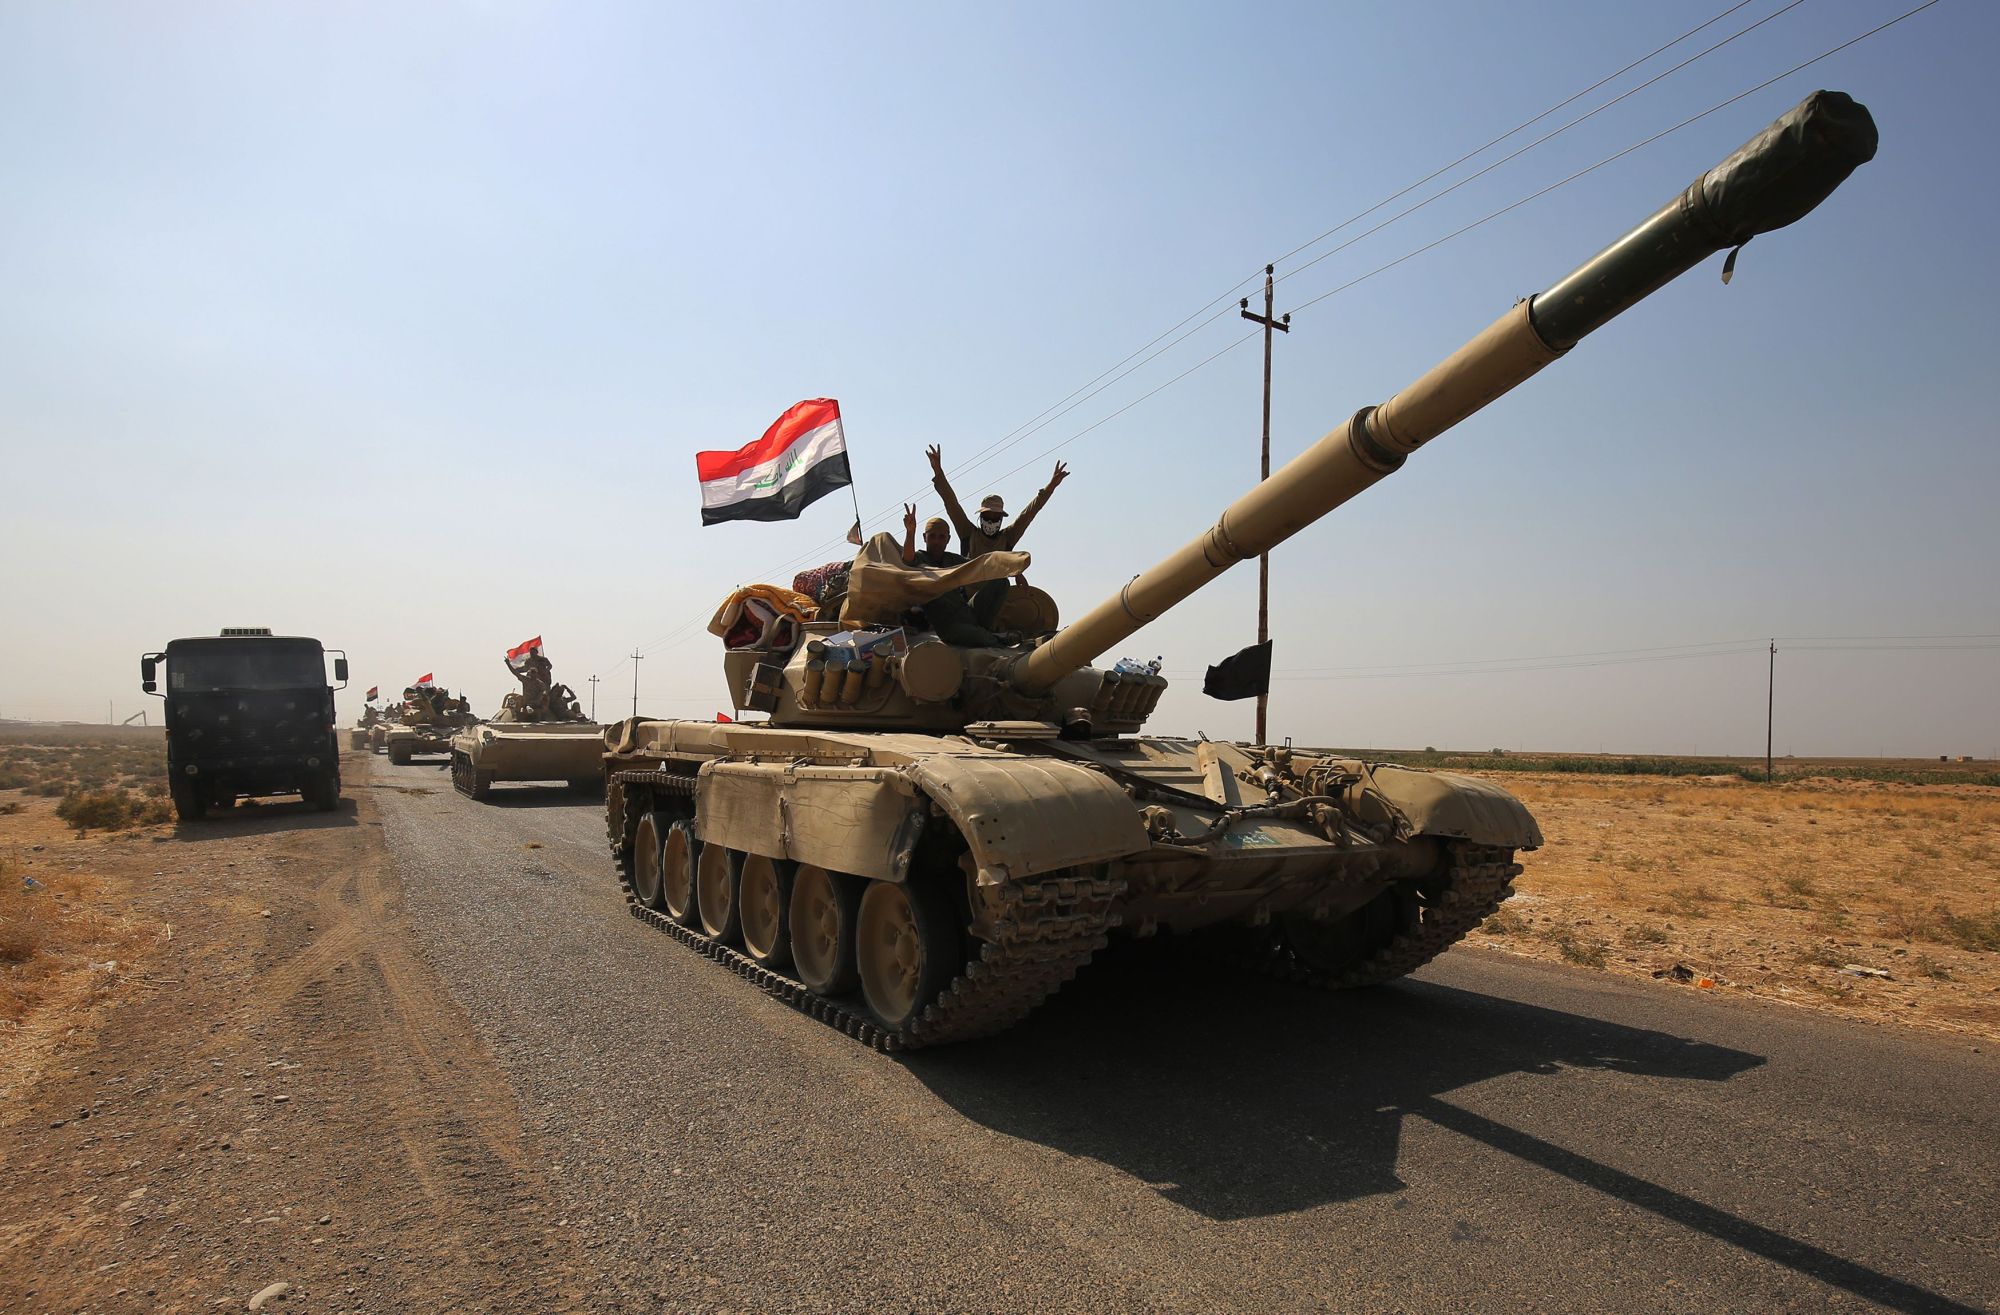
<point>296,1098</point>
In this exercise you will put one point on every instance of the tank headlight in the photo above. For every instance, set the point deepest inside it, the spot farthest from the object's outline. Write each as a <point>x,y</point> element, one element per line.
<point>312,762</point>
<point>192,769</point>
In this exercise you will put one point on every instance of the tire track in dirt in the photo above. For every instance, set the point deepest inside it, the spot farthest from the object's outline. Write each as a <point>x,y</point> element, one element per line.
<point>306,1104</point>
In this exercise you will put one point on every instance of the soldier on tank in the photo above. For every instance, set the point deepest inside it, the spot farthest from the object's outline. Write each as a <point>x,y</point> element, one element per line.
<point>992,533</point>
<point>954,617</point>
<point>537,677</point>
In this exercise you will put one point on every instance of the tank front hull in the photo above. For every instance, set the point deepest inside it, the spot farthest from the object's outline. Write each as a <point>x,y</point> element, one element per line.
<point>405,742</point>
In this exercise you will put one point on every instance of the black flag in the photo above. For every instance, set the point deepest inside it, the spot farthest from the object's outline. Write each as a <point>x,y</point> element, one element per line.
<point>1242,675</point>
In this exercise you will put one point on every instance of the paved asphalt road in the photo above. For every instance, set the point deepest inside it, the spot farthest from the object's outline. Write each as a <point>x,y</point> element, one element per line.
<point>1488,1136</point>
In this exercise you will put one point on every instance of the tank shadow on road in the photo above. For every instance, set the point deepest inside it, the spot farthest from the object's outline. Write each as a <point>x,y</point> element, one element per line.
<point>1239,1098</point>
<point>261,817</point>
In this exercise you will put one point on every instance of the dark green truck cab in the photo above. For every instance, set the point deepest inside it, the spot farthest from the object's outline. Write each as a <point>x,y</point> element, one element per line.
<point>248,713</point>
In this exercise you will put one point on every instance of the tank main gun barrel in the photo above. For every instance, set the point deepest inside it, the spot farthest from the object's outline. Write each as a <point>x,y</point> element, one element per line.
<point>1775,178</point>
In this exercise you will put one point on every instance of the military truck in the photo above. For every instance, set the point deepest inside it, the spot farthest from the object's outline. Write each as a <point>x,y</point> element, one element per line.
<point>247,713</point>
<point>923,841</point>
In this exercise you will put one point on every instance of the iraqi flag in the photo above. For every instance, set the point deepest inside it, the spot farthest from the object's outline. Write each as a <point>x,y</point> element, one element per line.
<point>423,681</point>
<point>374,692</point>
<point>800,458</point>
<point>517,656</point>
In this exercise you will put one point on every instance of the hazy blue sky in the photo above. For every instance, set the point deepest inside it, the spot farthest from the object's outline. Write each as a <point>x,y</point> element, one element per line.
<point>399,325</point>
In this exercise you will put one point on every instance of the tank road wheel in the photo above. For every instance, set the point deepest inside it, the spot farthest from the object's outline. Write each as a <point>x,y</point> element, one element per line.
<point>647,848</point>
<point>715,876</point>
<point>399,754</point>
<point>764,900</point>
<point>824,909</point>
<point>906,946</point>
<point>482,783</point>
<point>679,855</point>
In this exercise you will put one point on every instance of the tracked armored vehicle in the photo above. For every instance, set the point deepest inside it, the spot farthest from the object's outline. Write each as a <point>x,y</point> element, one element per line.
<point>544,739</point>
<point>922,849</point>
<point>431,717</point>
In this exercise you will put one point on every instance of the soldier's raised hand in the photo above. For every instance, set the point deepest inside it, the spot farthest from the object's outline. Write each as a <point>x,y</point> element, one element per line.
<point>936,454</point>
<point>909,518</point>
<point>1062,473</point>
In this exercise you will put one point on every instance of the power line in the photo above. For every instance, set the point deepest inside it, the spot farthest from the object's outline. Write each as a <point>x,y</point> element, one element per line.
<point>1494,666</point>
<point>1143,355</point>
<point>1067,404</point>
<point>1546,137</point>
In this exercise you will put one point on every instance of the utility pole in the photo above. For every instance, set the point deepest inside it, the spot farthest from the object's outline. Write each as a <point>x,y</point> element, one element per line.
<point>1770,706</point>
<point>1264,472</point>
<point>637,658</point>
<point>593,698</point>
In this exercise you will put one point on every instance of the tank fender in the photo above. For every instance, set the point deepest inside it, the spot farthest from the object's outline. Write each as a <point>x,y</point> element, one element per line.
<point>863,820</point>
<point>1023,816</point>
<point>1462,807</point>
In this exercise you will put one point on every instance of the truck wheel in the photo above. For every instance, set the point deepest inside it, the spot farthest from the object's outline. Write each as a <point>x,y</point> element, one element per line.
<point>189,806</point>
<point>323,792</point>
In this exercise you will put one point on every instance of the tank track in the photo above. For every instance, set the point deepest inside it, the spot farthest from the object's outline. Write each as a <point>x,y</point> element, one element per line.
<point>1481,878</point>
<point>1046,929</point>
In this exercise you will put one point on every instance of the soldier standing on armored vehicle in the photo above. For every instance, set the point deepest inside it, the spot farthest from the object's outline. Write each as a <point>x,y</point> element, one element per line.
<point>537,676</point>
<point>992,533</point>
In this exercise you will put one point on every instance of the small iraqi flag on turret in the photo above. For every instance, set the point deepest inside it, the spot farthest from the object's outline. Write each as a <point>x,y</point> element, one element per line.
<point>801,458</point>
<point>374,692</point>
<point>518,655</point>
<point>425,679</point>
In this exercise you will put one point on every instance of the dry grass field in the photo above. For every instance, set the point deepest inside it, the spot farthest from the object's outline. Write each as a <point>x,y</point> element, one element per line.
<point>74,801</point>
<point>1877,900</point>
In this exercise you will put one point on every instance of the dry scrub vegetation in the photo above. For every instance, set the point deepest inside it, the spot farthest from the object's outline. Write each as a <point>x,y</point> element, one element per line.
<point>1872,899</point>
<point>66,932</point>
<point>105,784</point>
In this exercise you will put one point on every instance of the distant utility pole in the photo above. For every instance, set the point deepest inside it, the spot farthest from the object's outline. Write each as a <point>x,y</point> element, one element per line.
<point>637,658</point>
<point>1264,472</point>
<point>593,698</point>
<point>1770,706</point>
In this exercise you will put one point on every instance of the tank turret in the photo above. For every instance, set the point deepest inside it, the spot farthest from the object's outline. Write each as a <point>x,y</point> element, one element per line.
<point>1777,177</point>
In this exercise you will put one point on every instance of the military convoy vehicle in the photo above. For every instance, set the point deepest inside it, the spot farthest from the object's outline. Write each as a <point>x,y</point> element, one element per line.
<point>919,846</point>
<point>431,716</point>
<point>539,735</point>
<point>247,713</point>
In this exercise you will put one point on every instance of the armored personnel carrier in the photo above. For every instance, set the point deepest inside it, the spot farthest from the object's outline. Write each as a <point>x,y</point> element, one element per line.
<point>539,734</point>
<point>919,845</point>
<point>431,716</point>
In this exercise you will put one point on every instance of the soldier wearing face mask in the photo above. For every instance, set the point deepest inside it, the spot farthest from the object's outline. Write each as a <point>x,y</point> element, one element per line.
<point>991,533</point>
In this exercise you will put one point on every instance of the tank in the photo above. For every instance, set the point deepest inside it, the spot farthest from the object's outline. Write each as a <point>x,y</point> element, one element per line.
<point>538,735</point>
<point>919,846</point>
<point>429,719</point>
